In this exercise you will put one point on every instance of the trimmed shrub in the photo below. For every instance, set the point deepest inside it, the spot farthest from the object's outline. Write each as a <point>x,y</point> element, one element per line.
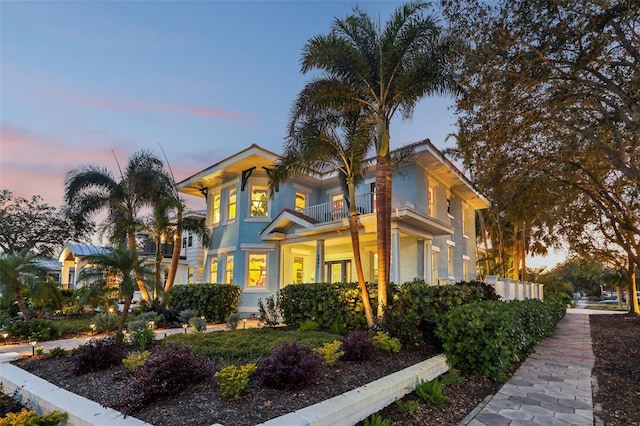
<point>290,366</point>
<point>325,304</point>
<point>135,360</point>
<point>166,372</point>
<point>233,380</point>
<point>357,346</point>
<point>96,355</point>
<point>105,322</point>
<point>383,342</point>
<point>199,324</point>
<point>39,328</point>
<point>215,301</point>
<point>186,314</point>
<point>330,352</point>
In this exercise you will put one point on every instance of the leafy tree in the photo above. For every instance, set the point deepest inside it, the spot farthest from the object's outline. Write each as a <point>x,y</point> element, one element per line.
<point>118,266</point>
<point>15,271</point>
<point>33,226</point>
<point>93,189</point>
<point>383,70</point>
<point>331,140</point>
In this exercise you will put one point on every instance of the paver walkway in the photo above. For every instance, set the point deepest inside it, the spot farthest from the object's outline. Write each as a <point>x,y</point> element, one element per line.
<point>553,386</point>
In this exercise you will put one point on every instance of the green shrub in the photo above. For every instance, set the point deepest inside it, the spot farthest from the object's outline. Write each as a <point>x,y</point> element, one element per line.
<point>330,352</point>
<point>324,303</point>
<point>135,360</point>
<point>233,380</point>
<point>151,316</point>
<point>58,352</point>
<point>383,342</point>
<point>215,301</point>
<point>338,328</point>
<point>186,314</point>
<point>290,366</point>
<point>431,392</point>
<point>232,321</point>
<point>377,420</point>
<point>29,418</point>
<point>199,324</point>
<point>357,346</point>
<point>38,328</point>
<point>141,333</point>
<point>105,322</point>
<point>409,406</point>
<point>308,325</point>
<point>97,355</point>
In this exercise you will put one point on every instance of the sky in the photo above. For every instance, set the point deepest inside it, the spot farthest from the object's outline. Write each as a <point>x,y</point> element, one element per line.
<point>86,83</point>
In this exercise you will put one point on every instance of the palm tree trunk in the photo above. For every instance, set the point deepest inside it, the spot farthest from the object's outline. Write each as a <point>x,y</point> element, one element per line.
<point>355,242</point>
<point>131,239</point>
<point>18,298</point>
<point>175,259</point>
<point>123,319</point>
<point>483,229</point>
<point>381,233</point>
<point>633,288</point>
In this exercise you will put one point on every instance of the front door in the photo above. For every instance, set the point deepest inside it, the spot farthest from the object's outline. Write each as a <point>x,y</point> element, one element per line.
<point>338,271</point>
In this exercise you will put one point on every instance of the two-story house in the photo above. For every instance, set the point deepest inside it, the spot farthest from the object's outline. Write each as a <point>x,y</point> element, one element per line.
<point>301,233</point>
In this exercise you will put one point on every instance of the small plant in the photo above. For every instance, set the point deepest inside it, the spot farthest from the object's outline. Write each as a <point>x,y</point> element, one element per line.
<point>290,366</point>
<point>431,392</point>
<point>105,322</point>
<point>409,406</point>
<point>166,372</point>
<point>308,325</point>
<point>135,360</point>
<point>382,341</point>
<point>29,417</point>
<point>141,333</point>
<point>199,324</point>
<point>39,350</point>
<point>357,346</point>
<point>451,377</point>
<point>97,355</point>
<point>271,314</point>
<point>233,380</point>
<point>377,420</point>
<point>58,352</point>
<point>339,328</point>
<point>151,316</point>
<point>232,321</point>
<point>186,314</point>
<point>330,352</point>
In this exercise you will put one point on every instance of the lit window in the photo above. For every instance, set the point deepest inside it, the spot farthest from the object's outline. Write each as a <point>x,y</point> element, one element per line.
<point>190,275</point>
<point>259,201</point>
<point>298,269</point>
<point>257,270</point>
<point>216,208</point>
<point>465,212</point>
<point>431,202</point>
<point>450,254</point>
<point>214,269</point>
<point>301,202</point>
<point>231,212</point>
<point>228,273</point>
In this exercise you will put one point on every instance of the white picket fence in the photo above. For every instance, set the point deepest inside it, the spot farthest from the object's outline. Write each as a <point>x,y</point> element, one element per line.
<point>515,289</point>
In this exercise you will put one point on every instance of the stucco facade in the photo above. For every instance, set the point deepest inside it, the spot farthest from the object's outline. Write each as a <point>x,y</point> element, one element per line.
<point>301,233</point>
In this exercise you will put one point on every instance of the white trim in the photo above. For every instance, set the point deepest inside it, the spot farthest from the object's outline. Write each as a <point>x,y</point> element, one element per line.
<point>233,182</point>
<point>465,257</point>
<point>258,219</point>
<point>301,188</point>
<point>257,246</point>
<point>221,250</point>
<point>435,248</point>
<point>465,236</point>
<point>451,243</point>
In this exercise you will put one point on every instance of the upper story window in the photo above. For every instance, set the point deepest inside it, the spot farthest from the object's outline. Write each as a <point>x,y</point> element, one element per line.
<point>431,201</point>
<point>190,243</point>
<point>259,201</point>
<point>216,208</point>
<point>231,210</point>
<point>465,222</point>
<point>301,201</point>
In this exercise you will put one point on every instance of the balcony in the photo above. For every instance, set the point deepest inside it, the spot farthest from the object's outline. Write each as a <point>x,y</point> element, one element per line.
<point>338,210</point>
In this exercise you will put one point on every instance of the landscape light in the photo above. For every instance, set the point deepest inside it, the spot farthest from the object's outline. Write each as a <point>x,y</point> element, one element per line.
<point>33,343</point>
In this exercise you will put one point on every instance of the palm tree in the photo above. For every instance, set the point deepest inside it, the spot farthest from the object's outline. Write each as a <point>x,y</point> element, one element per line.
<point>15,269</point>
<point>119,265</point>
<point>384,70</point>
<point>331,141</point>
<point>93,189</point>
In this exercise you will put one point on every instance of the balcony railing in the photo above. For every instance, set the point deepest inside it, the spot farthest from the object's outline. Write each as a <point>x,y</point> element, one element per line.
<point>337,210</point>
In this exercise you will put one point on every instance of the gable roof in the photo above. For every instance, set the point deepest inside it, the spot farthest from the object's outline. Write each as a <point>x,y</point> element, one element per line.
<point>286,218</point>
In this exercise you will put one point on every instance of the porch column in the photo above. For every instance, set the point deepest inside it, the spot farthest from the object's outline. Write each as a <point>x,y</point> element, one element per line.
<point>320,278</point>
<point>395,255</point>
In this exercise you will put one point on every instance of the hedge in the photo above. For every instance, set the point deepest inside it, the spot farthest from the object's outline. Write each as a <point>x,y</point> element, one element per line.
<point>215,301</point>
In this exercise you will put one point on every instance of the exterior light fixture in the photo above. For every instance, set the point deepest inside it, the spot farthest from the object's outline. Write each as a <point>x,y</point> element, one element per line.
<point>93,328</point>
<point>185,326</point>
<point>4,337</point>
<point>244,323</point>
<point>33,343</point>
<point>151,325</point>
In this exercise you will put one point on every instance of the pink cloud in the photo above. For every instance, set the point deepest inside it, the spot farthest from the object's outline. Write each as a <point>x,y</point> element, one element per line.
<point>141,105</point>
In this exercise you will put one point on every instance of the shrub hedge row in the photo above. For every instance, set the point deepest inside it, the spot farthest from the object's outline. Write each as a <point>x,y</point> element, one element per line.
<point>488,337</point>
<point>215,301</point>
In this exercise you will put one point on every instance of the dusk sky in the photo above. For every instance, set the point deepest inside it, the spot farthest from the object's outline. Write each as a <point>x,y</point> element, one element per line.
<point>82,81</point>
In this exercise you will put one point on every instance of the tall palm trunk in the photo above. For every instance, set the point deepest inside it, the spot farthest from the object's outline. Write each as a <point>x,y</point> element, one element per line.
<point>483,229</point>
<point>20,301</point>
<point>123,319</point>
<point>355,242</point>
<point>175,258</point>
<point>381,227</point>
<point>131,240</point>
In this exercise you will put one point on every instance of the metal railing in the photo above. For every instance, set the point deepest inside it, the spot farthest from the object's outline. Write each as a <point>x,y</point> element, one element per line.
<point>338,210</point>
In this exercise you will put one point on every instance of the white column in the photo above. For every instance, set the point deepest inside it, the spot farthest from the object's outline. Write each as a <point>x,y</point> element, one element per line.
<point>395,255</point>
<point>320,277</point>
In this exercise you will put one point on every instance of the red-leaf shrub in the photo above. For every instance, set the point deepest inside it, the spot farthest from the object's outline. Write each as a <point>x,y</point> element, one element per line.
<point>97,354</point>
<point>164,373</point>
<point>357,346</point>
<point>290,366</point>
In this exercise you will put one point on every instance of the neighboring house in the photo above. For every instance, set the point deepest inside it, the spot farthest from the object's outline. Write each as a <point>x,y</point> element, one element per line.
<point>301,234</point>
<point>72,257</point>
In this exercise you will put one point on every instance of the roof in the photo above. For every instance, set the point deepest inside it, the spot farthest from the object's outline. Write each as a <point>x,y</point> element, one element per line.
<point>80,250</point>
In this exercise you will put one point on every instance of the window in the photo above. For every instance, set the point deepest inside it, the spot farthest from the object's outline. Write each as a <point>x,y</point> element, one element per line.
<point>231,211</point>
<point>465,212</point>
<point>338,207</point>
<point>259,201</point>
<point>339,271</point>
<point>216,208</point>
<point>431,200</point>
<point>257,270</point>
<point>301,202</point>
<point>184,242</point>
<point>298,269</point>
<point>190,275</point>
<point>228,273</point>
<point>450,254</point>
<point>465,269</point>
<point>190,243</point>
<point>214,269</point>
